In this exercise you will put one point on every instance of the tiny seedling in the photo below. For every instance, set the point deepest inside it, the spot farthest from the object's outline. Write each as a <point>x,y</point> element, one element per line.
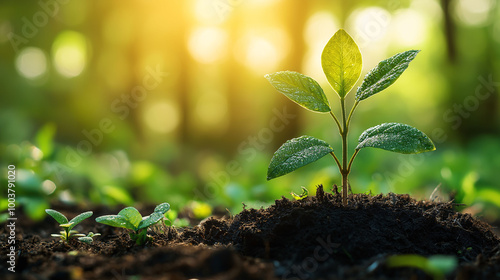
<point>301,196</point>
<point>342,63</point>
<point>68,226</point>
<point>130,218</point>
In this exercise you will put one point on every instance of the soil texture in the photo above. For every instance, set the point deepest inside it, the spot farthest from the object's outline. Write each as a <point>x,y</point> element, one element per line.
<point>313,238</point>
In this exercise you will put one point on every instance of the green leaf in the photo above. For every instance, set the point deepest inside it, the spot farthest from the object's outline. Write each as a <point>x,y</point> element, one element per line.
<point>132,215</point>
<point>162,208</point>
<point>342,62</point>
<point>76,220</point>
<point>301,89</point>
<point>58,216</point>
<point>396,137</point>
<point>115,221</point>
<point>150,220</point>
<point>385,74</point>
<point>296,153</point>
<point>45,139</point>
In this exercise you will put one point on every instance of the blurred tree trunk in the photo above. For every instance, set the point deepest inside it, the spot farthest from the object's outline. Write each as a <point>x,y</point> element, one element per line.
<point>183,84</point>
<point>468,115</point>
<point>298,12</point>
<point>449,30</point>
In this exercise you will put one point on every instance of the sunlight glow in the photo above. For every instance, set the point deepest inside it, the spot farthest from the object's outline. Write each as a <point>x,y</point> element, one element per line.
<point>410,28</point>
<point>474,12</point>
<point>70,53</point>
<point>208,44</point>
<point>370,24</point>
<point>319,29</point>
<point>162,117</point>
<point>262,52</point>
<point>31,63</point>
<point>211,108</point>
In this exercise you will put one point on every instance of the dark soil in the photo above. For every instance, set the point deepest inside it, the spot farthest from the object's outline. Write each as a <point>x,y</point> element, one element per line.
<point>314,238</point>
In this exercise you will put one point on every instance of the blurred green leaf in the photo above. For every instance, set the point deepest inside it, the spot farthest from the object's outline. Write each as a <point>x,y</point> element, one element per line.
<point>301,89</point>
<point>491,195</point>
<point>118,194</point>
<point>45,139</point>
<point>396,137</point>
<point>436,266</point>
<point>35,207</point>
<point>384,74</point>
<point>342,62</point>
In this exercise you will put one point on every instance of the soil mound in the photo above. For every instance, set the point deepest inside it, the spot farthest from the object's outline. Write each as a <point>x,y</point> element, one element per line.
<point>313,238</point>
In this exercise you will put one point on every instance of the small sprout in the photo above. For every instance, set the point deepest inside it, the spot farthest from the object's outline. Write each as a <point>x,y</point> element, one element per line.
<point>130,218</point>
<point>303,195</point>
<point>436,266</point>
<point>68,226</point>
<point>341,61</point>
<point>172,219</point>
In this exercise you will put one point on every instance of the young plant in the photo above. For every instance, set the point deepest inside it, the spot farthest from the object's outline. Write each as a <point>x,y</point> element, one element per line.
<point>301,196</point>
<point>341,62</point>
<point>68,226</point>
<point>130,218</point>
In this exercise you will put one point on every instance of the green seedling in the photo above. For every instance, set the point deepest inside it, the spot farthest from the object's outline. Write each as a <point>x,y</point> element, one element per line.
<point>436,266</point>
<point>301,196</point>
<point>341,62</point>
<point>68,226</point>
<point>130,218</point>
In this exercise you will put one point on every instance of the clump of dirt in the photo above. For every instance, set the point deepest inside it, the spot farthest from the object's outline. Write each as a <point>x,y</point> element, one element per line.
<point>313,238</point>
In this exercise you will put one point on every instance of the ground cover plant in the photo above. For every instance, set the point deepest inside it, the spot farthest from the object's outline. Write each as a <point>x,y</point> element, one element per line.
<point>341,61</point>
<point>130,218</point>
<point>68,226</point>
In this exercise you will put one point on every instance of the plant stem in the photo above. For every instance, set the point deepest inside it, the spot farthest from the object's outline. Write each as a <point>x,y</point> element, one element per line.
<point>350,162</point>
<point>344,170</point>
<point>352,111</point>
<point>336,121</point>
<point>336,160</point>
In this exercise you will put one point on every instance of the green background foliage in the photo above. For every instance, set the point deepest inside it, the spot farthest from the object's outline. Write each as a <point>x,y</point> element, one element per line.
<point>82,131</point>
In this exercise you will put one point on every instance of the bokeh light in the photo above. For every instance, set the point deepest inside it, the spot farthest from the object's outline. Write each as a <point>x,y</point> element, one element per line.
<point>409,28</point>
<point>31,63</point>
<point>474,12</point>
<point>262,51</point>
<point>202,62</point>
<point>161,117</point>
<point>370,24</point>
<point>48,186</point>
<point>318,30</point>
<point>208,44</point>
<point>70,53</point>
